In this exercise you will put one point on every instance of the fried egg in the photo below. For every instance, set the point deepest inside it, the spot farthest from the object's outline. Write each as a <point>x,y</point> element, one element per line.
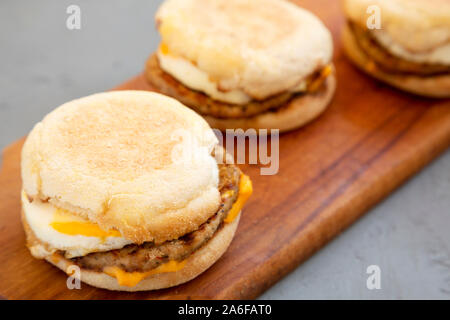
<point>65,231</point>
<point>191,76</point>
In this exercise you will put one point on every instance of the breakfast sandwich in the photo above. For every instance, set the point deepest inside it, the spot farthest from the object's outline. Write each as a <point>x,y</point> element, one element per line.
<point>262,64</point>
<point>132,188</point>
<point>408,47</point>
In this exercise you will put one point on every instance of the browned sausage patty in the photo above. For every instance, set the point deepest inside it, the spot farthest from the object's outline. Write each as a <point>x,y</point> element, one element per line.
<point>203,104</point>
<point>148,256</point>
<point>390,63</point>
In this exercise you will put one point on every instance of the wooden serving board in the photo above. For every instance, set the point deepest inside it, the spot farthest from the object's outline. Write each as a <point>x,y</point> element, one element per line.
<point>371,139</point>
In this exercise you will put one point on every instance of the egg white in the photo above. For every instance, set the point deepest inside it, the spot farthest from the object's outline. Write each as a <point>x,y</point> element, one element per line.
<point>39,216</point>
<point>439,55</point>
<point>194,78</point>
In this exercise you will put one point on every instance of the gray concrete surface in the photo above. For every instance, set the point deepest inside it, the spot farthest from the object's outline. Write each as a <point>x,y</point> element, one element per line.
<point>43,64</point>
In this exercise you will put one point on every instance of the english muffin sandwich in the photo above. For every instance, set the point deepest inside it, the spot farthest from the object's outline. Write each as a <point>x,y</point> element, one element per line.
<point>131,187</point>
<point>263,64</point>
<point>410,51</point>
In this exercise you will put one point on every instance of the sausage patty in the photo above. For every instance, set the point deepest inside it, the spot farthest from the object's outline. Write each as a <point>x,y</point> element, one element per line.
<point>148,256</point>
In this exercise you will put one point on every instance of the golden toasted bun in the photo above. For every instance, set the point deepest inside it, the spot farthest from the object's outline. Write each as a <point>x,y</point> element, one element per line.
<point>298,112</point>
<point>125,160</point>
<point>261,47</point>
<point>430,86</point>
<point>197,263</point>
<point>418,30</point>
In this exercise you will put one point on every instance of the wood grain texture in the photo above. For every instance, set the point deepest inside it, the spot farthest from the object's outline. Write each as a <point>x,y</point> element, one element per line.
<point>370,141</point>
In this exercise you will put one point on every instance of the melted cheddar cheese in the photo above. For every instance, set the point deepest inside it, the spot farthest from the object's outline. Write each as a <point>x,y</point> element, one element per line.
<point>315,85</point>
<point>245,191</point>
<point>130,279</point>
<point>69,224</point>
<point>164,48</point>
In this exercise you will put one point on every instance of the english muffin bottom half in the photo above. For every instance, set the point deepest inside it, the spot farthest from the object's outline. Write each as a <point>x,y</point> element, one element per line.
<point>132,188</point>
<point>262,64</point>
<point>410,47</point>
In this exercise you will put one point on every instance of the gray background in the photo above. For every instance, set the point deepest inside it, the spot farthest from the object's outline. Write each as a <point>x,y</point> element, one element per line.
<point>43,64</point>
